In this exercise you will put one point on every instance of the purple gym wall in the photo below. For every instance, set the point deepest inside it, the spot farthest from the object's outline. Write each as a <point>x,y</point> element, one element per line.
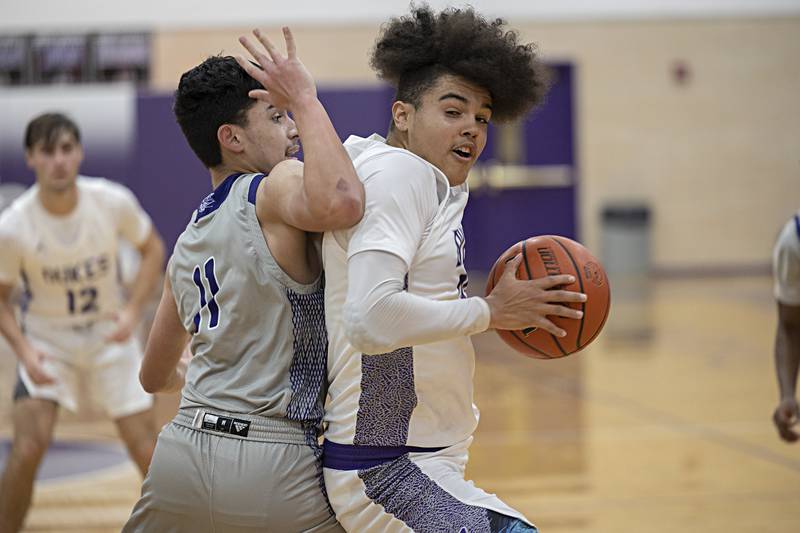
<point>496,219</point>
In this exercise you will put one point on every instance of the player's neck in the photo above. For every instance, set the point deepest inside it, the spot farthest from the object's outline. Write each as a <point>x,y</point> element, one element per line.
<point>221,172</point>
<point>59,203</point>
<point>397,140</point>
<point>218,175</point>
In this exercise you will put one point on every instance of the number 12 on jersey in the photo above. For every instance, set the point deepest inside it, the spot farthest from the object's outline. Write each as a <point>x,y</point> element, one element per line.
<point>211,303</point>
<point>83,301</point>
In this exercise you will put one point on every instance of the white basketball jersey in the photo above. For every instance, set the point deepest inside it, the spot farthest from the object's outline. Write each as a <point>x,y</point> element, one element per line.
<point>419,395</point>
<point>68,264</point>
<point>786,263</point>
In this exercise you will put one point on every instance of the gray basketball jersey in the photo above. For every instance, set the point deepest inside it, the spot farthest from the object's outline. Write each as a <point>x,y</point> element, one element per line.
<point>259,339</point>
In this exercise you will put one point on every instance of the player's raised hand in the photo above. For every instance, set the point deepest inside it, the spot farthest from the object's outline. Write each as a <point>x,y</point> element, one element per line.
<point>34,362</point>
<point>518,304</point>
<point>286,80</point>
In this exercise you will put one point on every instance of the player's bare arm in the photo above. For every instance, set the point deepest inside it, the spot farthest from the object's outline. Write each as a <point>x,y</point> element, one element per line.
<point>324,193</point>
<point>787,362</point>
<point>150,268</point>
<point>29,357</point>
<point>161,371</point>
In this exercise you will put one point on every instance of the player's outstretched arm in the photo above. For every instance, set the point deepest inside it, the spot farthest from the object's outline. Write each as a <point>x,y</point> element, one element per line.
<point>787,362</point>
<point>380,316</point>
<point>160,370</point>
<point>29,357</point>
<point>328,194</point>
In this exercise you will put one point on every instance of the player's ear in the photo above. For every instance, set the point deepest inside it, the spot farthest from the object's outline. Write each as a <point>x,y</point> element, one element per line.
<point>79,149</point>
<point>29,157</point>
<point>230,138</point>
<point>401,111</point>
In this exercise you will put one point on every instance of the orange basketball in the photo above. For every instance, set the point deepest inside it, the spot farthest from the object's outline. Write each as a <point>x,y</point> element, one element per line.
<point>549,255</point>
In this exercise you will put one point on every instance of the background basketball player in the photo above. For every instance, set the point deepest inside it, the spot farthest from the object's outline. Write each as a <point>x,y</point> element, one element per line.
<point>60,239</point>
<point>786,261</point>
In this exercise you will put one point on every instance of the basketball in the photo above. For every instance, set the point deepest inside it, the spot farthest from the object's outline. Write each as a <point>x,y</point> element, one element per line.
<point>550,255</point>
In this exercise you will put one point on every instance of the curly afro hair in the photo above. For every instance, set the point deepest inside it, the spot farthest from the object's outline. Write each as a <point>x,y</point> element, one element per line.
<point>413,51</point>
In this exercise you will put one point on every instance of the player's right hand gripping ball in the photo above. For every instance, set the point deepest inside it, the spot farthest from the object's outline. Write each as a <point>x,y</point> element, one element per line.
<point>549,255</point>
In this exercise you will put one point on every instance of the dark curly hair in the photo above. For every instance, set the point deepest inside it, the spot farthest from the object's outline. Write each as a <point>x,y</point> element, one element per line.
<point>413,51</point>
<point>212,94</point>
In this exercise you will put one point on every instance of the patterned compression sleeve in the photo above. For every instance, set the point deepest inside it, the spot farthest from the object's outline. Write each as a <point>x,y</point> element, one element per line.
<point>381,317</point>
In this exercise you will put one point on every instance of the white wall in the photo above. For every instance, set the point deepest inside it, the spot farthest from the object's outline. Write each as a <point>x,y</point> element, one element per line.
<point>99,15</point>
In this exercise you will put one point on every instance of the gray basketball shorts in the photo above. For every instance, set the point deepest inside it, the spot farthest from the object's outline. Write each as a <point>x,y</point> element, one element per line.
<point>227,472</point>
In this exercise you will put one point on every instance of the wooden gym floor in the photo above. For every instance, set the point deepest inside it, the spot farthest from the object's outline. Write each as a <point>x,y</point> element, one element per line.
<point>662,425</point>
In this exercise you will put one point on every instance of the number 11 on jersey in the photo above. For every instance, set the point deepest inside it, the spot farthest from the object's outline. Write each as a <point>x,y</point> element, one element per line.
<point>211,304</point>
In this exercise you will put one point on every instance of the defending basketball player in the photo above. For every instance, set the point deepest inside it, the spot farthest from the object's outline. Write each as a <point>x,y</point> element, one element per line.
<point>60,239</point>
<point>400,412</point>
<point>244,283</point>
<point>786,264</point>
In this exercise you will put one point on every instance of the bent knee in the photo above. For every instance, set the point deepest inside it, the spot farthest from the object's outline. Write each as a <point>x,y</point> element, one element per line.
<point>30,449</point>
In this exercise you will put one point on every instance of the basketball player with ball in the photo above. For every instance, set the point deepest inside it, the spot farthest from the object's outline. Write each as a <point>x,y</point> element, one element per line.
<point>400,413</point>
